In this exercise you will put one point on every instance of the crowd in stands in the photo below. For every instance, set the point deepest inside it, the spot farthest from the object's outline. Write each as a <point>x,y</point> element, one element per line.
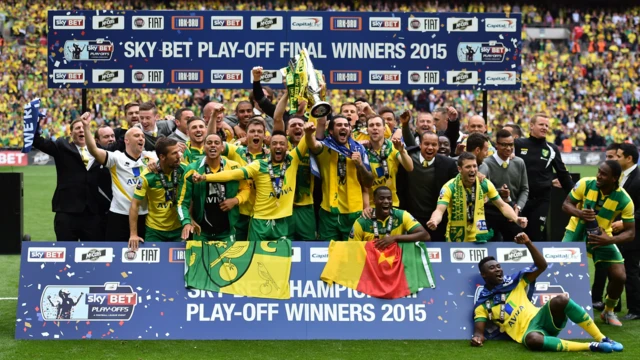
<point>588,83</point>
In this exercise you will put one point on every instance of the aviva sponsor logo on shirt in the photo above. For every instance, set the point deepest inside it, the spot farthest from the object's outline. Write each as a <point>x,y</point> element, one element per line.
<point>285,191</point>
<point>136,179</point>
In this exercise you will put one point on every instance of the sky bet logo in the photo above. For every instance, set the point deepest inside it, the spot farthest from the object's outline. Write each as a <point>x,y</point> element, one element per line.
<point>384,77</point>
<point>47,254</point>
<point>68,76</point>
<point>226,76</point>
<point>227,23</point>
<point>68,22</point>
<point>384,24</point>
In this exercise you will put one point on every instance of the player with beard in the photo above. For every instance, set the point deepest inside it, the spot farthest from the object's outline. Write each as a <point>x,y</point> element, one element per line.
<point>244,112</point>
<point>344,168</point>
<point>385,157</point>
<point>360,132</point>
<point>125,169</point>
<point>387,224</point>
<point>463,198</point>
<point>504,302</point>
<point>197,130</point>
<point>214,206</point>
<point>274,179</point>
<point>160,190</point>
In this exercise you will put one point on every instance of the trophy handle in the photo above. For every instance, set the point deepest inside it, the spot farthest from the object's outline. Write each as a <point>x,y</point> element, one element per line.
<point>320,108</point>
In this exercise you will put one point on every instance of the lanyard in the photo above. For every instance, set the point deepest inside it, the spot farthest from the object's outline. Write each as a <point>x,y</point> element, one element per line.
<point>382,159</point>
<point>169,191</point>
<point>342,168</point>
<point>376,234</point>
<point>250,157</point>
<point>277,183</point>
<point>216,189</point>
<point>501,302</point>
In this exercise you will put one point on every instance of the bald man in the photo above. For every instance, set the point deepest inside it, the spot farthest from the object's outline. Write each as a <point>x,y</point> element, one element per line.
<point>476,124</point>
<point>125,168</point>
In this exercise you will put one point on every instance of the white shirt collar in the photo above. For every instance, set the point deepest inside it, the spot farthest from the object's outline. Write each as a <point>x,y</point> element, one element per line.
<point>422,159</point>
<point>500,161</point>
<point>625,174</point>
<point>155,130</point>
<point>181,135</point>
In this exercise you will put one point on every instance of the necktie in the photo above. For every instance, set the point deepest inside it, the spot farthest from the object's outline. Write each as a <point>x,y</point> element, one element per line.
<point>85,158</point>
<point>425,163</point>
<point>504,164</point>
<point>155,134</point>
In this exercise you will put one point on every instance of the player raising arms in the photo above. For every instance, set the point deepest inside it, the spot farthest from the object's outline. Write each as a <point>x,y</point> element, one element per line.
<point>504,301</point>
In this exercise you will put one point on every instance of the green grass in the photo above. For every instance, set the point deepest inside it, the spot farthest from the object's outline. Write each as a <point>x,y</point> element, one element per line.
<point>39,183</point>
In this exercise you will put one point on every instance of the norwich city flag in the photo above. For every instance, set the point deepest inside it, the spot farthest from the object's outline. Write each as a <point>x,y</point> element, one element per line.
<point>397,271</point>
<point>248,268</point>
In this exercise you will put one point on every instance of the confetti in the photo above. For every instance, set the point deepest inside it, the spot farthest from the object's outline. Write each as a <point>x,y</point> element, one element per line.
<point>26,324</point>
<point>42,266</point>
<point>148,297</point>
<point>57,277</point>
<point>124,275</point>
<point>462,293</point>
<point>442,277</point>
<point>439,317</point>
<point>45,334</point>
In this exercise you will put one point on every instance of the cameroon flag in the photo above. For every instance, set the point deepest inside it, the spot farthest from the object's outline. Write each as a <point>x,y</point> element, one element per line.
<point>397,271</point>
<point>248,268</point>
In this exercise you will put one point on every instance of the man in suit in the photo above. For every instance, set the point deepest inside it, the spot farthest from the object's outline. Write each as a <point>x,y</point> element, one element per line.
<point>181,133</point>
<point>104,138</point>
<point>75,200</point>
<point>151,127</point>
<point>630,181</point>
<point>447,123</point>
<point>418,190</point>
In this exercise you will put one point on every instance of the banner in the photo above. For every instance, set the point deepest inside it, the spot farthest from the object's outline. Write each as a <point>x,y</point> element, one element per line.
<point>104,291</point>
<point>31,117</point>
<point>218,49</point>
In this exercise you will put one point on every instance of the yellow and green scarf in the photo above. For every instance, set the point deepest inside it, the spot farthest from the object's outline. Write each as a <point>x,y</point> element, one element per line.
<point>458,209</point>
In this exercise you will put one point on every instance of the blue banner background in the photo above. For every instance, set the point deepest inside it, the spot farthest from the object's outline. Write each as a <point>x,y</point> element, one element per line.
<point>410,48</point>
<point>162,307</point>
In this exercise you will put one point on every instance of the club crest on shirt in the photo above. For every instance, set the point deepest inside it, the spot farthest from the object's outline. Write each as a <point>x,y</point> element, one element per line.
<point>545,152</point>
<point>576,186</point>
<point>441,194</point>
<point>139,185</point>
<point>523,151</point>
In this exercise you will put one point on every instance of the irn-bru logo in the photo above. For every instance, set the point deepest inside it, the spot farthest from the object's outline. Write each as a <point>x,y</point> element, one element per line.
<point>345,77</point>
<point>346,23</point>
<point>176,255</point>
<point>187,23</point>
<point>187,76</point>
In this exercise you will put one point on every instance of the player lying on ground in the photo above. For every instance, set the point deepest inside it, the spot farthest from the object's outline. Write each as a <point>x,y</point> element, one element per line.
<point>504,301</point>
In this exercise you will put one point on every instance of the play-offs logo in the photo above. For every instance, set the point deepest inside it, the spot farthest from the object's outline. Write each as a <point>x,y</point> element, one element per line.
<point>562,254</point>
<point>317,254</point>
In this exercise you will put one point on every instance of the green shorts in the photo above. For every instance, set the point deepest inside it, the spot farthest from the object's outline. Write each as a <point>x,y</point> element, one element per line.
<point>605,256</point>
<point>302,225</point>
<point>543,323</point>
<point>260,230</point>
<point>242,227</point>
<point>336,226</point>
<point>153,235</point>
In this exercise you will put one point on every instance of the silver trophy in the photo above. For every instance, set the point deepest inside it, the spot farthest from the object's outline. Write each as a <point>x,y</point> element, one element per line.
<point>319,108</point>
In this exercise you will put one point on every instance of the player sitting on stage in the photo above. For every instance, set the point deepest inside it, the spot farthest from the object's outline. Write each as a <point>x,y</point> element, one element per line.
<point>504,301</point>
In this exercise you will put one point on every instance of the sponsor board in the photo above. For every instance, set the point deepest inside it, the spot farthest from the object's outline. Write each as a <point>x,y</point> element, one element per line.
<point>462,24</point>
<point>486,52</point>
<point>462,77</point>
<point>142,256</point>
<point>345,77</point>
<point>187,76</point>
<point>571,158</point>
<point>385,24</point>
<point>468,255</point>
<point>500,25</point>
<point>147,76</point>
<point>317,254</point>
<point>68,22</point>
<point>500,78</point>
<point>107,302</point>
<point>296,254</point>
<point>424,24</point>
<point>108,76</point>
<point>267,23</point>
<point>422,77</point>
<point>306,23</point>
<point>227,23</point>
<point>557,255</point>
<point>68,76</point>
<point>46,254</point>
<point>187,23</point>
<point>13,158</point>
<point>88,50</point>
<point>435,255</point>
<point>384,77</point>
<point>514,255</point>
<point>108,22</point>
<point>226,76</point>
<point>147,23</point>
<point>346,23</point>
<point>96,255</point>
<point>546,291</point>
<point>271,77</point>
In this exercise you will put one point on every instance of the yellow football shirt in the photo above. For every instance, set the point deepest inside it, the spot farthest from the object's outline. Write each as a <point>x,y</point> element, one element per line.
<point>393,163</point>
<point>243,156</point>
<point>403,223</point>
<point>338,197</point>
<point>518,312</point>
<point>304,183</point>
<point>267,205</point>
<point>163,214</point>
